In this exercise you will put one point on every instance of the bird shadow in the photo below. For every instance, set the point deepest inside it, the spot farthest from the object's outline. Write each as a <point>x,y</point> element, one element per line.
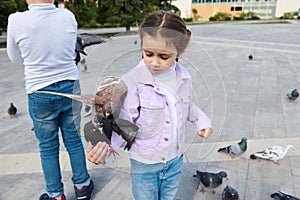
<point>18,115</point>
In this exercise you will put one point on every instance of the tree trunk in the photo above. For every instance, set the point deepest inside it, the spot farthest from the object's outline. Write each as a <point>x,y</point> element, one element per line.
<point>127,28</point>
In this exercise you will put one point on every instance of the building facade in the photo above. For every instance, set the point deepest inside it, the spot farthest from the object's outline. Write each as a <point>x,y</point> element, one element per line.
<point>265,9</point>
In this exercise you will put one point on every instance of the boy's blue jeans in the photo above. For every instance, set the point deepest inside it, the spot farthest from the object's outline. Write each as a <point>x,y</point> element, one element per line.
<point>49,113</point>
<point>156,181</point>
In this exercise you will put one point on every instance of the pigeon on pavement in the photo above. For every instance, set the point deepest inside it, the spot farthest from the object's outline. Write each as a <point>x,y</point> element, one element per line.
<point>229,193</point>
<point>282,196</point>
<point>274,153</point>
<point>293,95</point>
<point>209,180</point>
<point>250,57</point>
<point>12,111</point>
<point>235,149</point>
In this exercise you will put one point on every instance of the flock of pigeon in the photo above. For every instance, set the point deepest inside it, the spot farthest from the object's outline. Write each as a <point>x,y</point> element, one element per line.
<point>213,180</point>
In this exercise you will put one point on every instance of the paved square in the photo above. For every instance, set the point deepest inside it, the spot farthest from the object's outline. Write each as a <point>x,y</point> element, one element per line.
<point>244,98</point>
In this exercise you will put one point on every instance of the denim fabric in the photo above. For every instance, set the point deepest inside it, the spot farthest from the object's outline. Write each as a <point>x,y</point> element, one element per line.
<point>49,114</point>
<point>156,181</point>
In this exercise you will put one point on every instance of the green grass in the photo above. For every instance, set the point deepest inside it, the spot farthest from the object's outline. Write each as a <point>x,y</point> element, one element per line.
<point>272,22</point>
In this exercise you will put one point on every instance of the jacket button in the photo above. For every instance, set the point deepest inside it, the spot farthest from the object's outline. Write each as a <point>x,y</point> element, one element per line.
<point>166,139</point>
<point>167,121</point>
<point>163,159</point>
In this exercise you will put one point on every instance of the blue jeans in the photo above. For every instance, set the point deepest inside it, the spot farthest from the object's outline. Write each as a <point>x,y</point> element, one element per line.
<point>156,181</point>
<point>49,113</point>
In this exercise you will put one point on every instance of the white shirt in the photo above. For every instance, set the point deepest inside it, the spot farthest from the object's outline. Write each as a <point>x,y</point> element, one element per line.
<point>168,81</point>
<point>43,39</point>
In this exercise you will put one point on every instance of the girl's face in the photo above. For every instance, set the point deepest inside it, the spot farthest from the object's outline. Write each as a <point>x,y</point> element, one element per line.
<point>159,54</point>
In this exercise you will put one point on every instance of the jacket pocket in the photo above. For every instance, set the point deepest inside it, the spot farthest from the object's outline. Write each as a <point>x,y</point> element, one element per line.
<point>151,118</point>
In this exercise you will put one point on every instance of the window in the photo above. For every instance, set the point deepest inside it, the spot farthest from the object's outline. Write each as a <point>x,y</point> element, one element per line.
<point>237,8</point>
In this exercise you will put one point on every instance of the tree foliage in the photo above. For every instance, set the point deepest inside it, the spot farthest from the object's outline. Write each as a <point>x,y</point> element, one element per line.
<point>10,6</point>
<point>97,13</point>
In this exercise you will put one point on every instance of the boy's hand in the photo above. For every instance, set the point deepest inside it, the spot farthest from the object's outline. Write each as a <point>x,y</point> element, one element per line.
<point>205,133</point>
<point>97,154</point>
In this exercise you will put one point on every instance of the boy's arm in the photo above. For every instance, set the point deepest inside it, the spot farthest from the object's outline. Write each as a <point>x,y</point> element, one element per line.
<point>12,48</point>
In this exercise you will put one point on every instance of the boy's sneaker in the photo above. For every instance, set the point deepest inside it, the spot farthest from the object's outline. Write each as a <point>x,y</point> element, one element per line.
<point>45,196</point>
<point>84,193</point>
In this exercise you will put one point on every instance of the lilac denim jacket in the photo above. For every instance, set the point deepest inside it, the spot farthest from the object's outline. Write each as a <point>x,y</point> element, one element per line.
<point>146,105</point>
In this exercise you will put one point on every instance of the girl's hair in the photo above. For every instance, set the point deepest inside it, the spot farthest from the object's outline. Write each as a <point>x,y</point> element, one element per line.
<point>167,25</point>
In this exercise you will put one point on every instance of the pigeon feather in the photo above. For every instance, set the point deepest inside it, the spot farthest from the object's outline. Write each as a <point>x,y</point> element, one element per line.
<point>229,193</point>
<point>235,149</point>
<point>209,180</point>
<point>12,110</point>
<point>282,196</point>
<point>274,153</point>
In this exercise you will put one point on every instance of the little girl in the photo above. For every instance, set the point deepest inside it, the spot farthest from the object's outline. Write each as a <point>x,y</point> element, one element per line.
<point>159,102</point>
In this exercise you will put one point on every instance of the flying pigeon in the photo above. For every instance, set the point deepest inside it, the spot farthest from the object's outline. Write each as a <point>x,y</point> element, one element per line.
<point>235,149</point>
<point>274,153</point>
<point>282,196</point>
<point>229,193</point>
<point>83,40</point>
<point>293,95</point>
<point>209,180</point>
<point>12,111</point>
<point>106,104</point>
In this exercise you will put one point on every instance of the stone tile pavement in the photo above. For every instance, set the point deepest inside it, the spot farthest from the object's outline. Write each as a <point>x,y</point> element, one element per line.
<point>243,98</point>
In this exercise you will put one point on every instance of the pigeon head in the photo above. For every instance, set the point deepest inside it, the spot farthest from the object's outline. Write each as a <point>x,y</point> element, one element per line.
<point>290,147</point>
<point>244,139</point>
<point>222,174</point>
<point>295,93</point>
<point>229,193</point>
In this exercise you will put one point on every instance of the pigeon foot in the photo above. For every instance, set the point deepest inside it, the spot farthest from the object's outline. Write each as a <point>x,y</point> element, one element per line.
<point>112,152</point>
<point>213,191</point>
<point>202,190</point>
<point>276,163</point>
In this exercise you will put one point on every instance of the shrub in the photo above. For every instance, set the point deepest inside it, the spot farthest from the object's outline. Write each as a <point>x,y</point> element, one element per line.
<point>289,15</point>
<point>247,16</point>
<point>188,19</point>
<point>220,16</point>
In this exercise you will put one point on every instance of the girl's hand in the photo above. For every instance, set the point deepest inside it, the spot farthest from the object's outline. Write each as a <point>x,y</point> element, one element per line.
<point>97,154</point>
<point>205,133</point>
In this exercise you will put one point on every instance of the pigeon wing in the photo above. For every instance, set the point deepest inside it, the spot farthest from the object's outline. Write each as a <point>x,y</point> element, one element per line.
<point>127,130</point>
<point>216,180</point>
<point>88,99</point>
<point>94,135</point>
<point>235,149</point>
<point>91,39</point>
<point>205,178</point>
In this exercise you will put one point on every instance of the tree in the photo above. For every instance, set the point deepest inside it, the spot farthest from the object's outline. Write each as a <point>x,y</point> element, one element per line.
<point>85,11</point>
<point>7,7</point>
<point>130,12</point>
<point>195,14</point>
<point>124,12</point>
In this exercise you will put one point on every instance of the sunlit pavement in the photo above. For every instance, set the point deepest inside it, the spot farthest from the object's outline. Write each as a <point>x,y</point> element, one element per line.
<point>244,98</point>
